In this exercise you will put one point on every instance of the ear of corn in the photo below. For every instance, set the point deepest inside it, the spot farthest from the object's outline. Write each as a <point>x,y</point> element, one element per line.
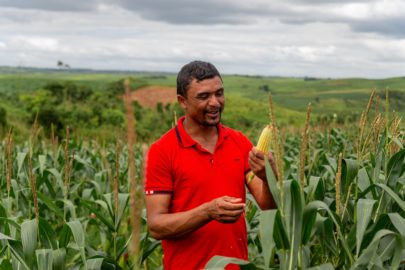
<point>263,145</point>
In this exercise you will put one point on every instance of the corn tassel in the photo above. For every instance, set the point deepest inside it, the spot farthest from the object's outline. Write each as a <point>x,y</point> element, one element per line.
<point>263,145</point>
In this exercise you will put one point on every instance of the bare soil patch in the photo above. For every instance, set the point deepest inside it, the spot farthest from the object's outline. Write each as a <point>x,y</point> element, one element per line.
<point>149,96</point>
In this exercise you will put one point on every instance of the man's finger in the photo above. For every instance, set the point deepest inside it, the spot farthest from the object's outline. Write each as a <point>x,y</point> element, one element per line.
<point>233,206</point>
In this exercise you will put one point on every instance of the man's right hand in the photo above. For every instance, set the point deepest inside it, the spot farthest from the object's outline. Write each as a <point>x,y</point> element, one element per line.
<point>226,209</point>
<point>164,225</point>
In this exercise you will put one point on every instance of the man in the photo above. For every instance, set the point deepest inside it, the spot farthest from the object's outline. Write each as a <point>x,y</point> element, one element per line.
<point>196,176</point>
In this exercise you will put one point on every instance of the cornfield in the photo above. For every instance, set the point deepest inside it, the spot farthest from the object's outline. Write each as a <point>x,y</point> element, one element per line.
<point>340,198</point>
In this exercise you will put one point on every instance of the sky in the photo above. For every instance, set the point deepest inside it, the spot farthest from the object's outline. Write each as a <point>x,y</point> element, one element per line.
<point>317,38</point>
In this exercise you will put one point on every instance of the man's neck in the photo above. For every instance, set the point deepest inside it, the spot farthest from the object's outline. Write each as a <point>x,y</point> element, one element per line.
<point>206,136</point>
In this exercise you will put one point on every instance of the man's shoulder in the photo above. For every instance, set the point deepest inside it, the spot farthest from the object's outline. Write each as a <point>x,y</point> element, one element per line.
<point>237,134</point>
<point>168,139</point>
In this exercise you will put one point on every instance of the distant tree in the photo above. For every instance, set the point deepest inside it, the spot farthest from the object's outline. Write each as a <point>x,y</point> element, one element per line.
<point>60,64</point>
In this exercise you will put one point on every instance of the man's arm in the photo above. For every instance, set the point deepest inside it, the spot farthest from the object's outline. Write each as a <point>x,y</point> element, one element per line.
<point>164,225</point>
<point>258,186</point>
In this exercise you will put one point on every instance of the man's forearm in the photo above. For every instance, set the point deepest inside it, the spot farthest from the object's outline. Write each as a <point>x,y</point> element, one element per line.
<point>164,225</point>
<point>261,192</point>
<point>173,225</point>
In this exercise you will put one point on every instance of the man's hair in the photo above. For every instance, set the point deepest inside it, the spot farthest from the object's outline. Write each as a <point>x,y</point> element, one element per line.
<point>198,70</point>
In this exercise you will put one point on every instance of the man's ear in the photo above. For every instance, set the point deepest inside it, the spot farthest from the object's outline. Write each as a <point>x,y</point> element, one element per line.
<point>182,101</point>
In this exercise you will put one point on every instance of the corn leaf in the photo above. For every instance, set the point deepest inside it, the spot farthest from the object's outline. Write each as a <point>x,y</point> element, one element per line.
<point>363,179</point>
<point>219,263</point>
<point>50,204</point>
<point>44,259</point>
<point>29,233</point>
<point>324,231</point>
<point>123,199</point>
<point>395,168</point>
<point>371,250</point>
<point>148,246</point>
<point>321,205</point>
<point>17,253</point>
<point>59,257</point>
<point>309,217</point>
<point>315,189</point>
<point>20,161</point>
<point>377,167</point>
<point>77,232</point>
<point>280,235</point>
<point>297,202</point>
<point>326,266</point>
<point>16,190</point>
<point>94,264</point>
<point>47,235</point>
<point>5,237</point>
<point>100,216</point>
<point>64,236</point>
<point>387,246</point>
<point>6,265</point>
<point>266,227</point>
<point>68,204</point>
<point>350,169</point>
<point>393,195</point>
<point>398,222</point>
<point>272,182</point>
<point>79,237</point>
<point>56,174</point>
<point>42,163</point>
<point>364,211</point>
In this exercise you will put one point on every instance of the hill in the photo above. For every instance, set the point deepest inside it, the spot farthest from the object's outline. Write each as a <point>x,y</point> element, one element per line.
<point>89,101</point>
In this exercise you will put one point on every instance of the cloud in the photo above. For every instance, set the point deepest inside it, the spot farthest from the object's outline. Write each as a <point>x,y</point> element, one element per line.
<point>196,12</point>
<point>45,44</point>
<point>389,27</point>
<point>290,38</point>
<point>54,5</point>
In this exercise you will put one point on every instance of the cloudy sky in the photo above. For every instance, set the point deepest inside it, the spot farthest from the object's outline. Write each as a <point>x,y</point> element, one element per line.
<point>323,38</point>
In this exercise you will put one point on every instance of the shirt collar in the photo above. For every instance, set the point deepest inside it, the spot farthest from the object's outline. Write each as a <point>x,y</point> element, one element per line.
<point>186,140</point>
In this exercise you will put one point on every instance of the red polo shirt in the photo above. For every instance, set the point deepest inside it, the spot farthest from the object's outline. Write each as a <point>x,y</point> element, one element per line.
<point>178,165</point>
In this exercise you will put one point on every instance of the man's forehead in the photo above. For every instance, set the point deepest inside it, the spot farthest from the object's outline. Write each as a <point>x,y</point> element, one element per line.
<point>215,79</point>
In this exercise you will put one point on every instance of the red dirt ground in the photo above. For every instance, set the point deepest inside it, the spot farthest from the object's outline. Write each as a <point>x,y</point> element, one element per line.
<point>149,96</point>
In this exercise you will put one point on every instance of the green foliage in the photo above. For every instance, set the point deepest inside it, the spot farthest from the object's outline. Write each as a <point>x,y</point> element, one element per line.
<point>305,232</point>
<point>85,228</point>
<point>3,117</point>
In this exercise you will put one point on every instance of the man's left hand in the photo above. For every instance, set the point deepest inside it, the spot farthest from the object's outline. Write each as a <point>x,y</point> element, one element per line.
<point>256,162</point>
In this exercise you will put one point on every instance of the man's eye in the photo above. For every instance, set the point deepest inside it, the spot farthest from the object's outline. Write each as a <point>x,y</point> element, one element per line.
<point>203,96</point>
<point>219,94</point>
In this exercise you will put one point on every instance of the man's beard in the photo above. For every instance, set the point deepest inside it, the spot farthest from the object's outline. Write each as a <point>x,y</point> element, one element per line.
<point>210,122</point>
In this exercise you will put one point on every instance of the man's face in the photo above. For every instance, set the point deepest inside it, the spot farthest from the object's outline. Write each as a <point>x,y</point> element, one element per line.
<point>204,101</point>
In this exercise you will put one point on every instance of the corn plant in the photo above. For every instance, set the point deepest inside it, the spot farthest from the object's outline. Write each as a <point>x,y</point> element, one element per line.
<point>84,228</point>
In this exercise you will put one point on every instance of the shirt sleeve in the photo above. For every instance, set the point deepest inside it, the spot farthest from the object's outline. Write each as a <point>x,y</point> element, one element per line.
<point>158,177</point>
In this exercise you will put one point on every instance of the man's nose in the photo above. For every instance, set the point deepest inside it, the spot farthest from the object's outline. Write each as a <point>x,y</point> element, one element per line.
<point>213,101</point>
